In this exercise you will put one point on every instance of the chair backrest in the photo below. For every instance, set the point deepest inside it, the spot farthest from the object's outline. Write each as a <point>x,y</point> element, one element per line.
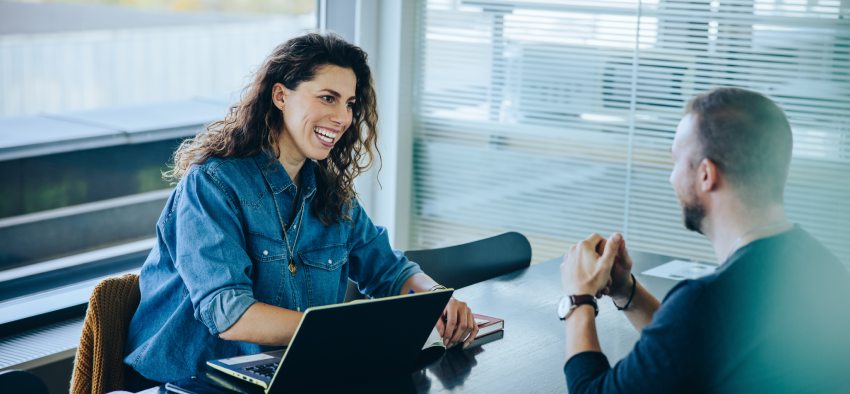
<point>462,265</point>
<point>17,381</point>
<point>99,366</point>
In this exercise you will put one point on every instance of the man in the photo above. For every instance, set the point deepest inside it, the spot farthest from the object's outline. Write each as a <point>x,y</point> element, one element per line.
<point>774,317</point>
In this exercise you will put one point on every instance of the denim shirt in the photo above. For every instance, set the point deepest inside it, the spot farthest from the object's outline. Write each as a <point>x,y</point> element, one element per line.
<point>221,248</point>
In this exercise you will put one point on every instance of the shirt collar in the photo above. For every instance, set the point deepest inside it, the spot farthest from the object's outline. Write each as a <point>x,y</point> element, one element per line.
<point>277,178</point>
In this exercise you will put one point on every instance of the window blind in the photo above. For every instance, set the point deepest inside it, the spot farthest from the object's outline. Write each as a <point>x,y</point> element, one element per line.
<point>555,118</point>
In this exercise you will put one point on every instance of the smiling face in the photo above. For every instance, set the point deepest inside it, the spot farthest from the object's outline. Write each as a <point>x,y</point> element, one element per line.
<point>683,178</point>
<point>317,113</point>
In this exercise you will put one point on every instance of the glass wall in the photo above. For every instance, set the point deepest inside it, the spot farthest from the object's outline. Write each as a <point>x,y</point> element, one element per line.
<point>555,118</point>
<point>94,98</point>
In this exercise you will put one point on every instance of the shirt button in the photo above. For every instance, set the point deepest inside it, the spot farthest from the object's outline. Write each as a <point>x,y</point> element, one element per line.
<point>265,253</point>
<point>330,261</point>
<point>295,227</point>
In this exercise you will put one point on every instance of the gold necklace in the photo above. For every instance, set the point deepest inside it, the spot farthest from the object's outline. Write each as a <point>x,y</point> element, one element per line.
<point>292,267</point>
<point>761,229</point>
<point>300,215</point>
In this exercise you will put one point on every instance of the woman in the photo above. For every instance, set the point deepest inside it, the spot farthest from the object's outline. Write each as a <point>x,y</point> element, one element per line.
<point>264,222</point>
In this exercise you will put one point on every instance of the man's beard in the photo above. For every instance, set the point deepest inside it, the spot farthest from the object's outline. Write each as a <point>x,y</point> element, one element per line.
<point>693,213</point>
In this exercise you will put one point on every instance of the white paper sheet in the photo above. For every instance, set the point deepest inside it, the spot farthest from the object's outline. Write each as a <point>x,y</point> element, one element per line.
<point>680,269</point>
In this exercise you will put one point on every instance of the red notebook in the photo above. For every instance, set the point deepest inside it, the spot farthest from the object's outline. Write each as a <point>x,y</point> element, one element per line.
<point>488,325</point>
<point>489,329</point>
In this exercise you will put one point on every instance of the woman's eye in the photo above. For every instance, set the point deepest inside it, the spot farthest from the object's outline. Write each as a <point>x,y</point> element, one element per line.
<point>351,105</point>
<point>328,99</point>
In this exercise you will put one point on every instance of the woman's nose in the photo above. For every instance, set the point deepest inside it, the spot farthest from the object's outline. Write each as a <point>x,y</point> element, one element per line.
<point>341,115</point>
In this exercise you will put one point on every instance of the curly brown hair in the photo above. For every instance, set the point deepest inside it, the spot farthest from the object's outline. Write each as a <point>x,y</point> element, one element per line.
<point>255,123</point>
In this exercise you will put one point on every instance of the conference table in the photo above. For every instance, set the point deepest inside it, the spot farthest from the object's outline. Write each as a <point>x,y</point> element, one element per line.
<point>529,357</point>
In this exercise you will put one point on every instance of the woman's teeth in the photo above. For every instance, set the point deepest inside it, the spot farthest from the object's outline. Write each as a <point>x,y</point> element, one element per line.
<point>325,135</point>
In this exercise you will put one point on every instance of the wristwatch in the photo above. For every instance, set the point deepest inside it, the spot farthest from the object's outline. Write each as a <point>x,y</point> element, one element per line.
<point>569,303</point>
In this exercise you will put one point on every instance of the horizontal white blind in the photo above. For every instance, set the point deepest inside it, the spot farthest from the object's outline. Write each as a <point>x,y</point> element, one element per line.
<point>555,118</point>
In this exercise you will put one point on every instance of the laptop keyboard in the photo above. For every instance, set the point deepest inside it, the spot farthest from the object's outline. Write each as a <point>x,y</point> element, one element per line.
<point>266,370</point>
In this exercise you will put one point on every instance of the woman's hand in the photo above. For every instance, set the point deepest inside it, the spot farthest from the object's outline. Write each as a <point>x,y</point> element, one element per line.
<point>457,324</point>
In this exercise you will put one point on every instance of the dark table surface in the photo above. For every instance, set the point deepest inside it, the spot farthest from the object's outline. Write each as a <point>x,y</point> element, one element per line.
<point>529,358</point>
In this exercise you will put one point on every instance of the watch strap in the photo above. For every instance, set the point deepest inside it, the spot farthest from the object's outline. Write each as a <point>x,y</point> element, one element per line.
<point>584,299</point>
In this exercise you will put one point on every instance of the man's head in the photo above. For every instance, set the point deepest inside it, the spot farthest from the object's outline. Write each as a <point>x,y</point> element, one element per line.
<point>732,138</point>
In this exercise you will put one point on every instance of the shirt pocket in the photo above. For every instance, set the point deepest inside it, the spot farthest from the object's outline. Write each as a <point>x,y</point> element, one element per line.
<point>325,272</point>
<point>270,263</point>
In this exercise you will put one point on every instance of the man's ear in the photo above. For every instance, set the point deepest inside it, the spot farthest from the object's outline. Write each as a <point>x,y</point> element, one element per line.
<point>279,93</point>
<point>709,175</point>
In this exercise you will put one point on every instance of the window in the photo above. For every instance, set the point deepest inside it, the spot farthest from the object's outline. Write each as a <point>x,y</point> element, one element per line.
<point>95,98</point>
<point>555,118</point>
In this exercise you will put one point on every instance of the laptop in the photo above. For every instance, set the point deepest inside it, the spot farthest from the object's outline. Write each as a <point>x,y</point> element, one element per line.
<point>345,342</point>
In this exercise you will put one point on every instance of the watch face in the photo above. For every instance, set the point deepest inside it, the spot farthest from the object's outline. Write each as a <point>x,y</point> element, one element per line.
<point>563,307</point>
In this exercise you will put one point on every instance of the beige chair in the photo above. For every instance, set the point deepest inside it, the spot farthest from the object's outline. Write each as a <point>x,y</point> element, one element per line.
<point>99,366</point>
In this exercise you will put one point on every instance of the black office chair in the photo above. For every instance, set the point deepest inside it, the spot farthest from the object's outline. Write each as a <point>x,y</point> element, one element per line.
<point>462,265</point>
<point>15,381</point>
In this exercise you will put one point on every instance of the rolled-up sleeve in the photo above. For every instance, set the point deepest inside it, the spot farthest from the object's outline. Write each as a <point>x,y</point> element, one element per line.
<point>210,254</point>
<point>378,270</point>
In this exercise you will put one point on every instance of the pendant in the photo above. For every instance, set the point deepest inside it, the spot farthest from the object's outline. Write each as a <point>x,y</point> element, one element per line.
<point>292,267</point>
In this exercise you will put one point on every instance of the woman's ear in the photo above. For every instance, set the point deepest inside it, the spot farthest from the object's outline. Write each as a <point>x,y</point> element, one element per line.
<point>279,96</point>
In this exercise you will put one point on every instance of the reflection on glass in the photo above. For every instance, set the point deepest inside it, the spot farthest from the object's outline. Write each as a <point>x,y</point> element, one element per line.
<point>83,55</point>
